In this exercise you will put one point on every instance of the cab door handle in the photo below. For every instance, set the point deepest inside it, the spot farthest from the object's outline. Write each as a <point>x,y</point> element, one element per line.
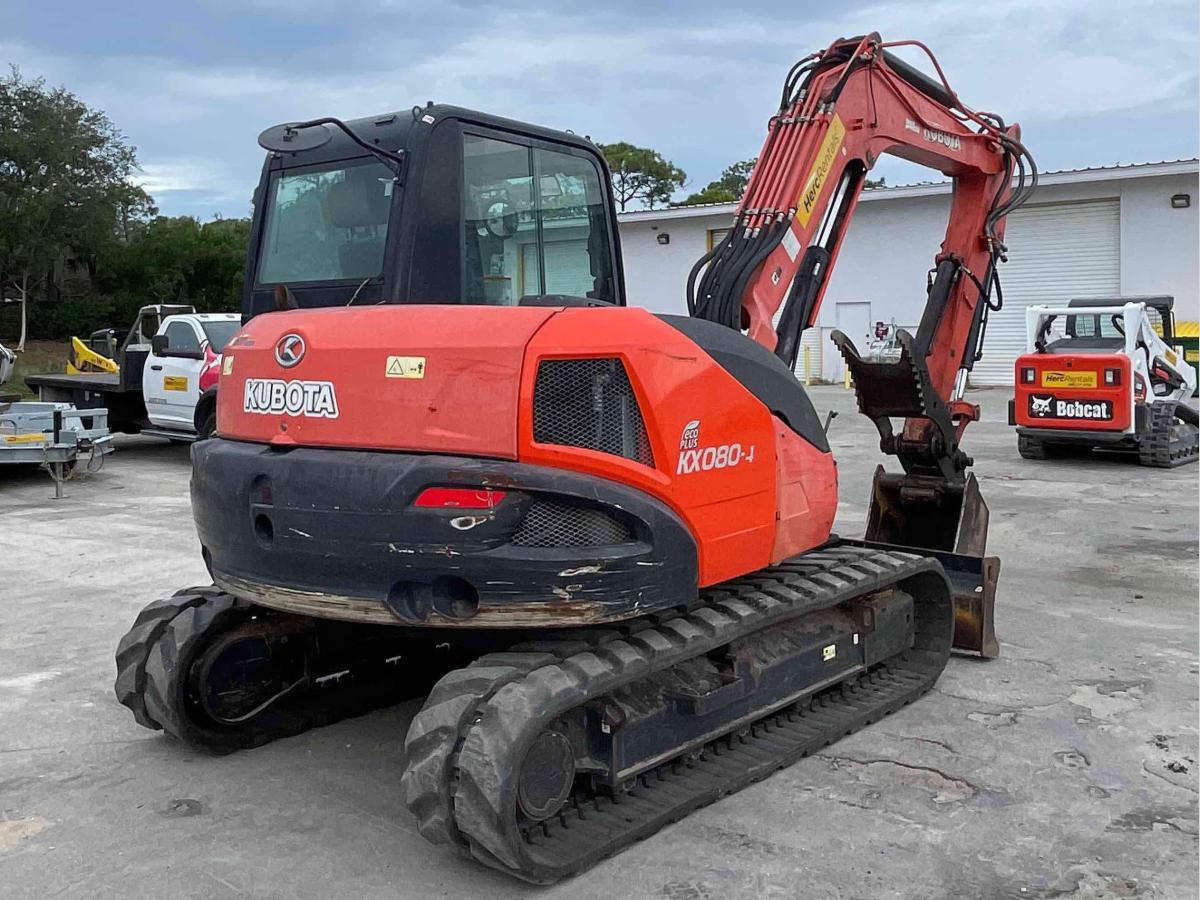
<point>156,368</point>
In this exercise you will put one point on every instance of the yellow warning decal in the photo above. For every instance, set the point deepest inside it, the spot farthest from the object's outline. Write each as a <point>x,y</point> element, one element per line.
<point>175,383</point>
<point>227,364</point>
<point>807,201</point>
<point>1069,379</point>
<point>405,367</point>
<point>1171,357</point>
<point>36,438</point>
<point>829,652</point>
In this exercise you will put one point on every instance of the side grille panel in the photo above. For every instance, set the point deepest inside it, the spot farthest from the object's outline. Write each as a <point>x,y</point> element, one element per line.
<point>549,524</point>
<point>589,403</point>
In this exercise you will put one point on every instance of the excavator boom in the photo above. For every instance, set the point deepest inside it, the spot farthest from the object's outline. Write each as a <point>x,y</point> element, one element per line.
<point>840,110</point>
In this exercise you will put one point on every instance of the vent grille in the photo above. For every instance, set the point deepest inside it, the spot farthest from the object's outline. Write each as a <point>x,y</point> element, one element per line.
<point>589,403</point>
<point>549,524</point>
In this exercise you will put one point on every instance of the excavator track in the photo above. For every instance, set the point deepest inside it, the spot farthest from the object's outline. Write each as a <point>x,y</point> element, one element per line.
<point>466,750</point>
<point>185,665</point>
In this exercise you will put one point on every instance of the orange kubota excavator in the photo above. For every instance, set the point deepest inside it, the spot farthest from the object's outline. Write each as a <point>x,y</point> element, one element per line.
<point>444,440</point>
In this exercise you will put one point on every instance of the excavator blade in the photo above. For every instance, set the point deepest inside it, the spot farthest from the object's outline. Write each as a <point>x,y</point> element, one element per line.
<point>950,523</point>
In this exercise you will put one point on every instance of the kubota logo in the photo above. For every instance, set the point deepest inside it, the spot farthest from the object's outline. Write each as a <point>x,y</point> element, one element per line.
<point>270,396</point>
<point>289,350</point>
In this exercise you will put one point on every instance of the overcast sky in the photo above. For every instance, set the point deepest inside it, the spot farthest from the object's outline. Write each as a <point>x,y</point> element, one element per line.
<point>1092,82</point>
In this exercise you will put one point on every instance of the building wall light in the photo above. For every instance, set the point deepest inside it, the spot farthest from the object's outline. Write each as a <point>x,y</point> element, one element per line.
<point>1181,201</point>
<point>665,238</point>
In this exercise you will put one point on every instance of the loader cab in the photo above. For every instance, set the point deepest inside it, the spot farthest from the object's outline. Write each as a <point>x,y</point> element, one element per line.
<point>1105,332</point>
<point>481,210</point>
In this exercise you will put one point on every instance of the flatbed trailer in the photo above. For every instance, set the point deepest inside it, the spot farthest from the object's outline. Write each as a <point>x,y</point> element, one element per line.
<point>120,394</point>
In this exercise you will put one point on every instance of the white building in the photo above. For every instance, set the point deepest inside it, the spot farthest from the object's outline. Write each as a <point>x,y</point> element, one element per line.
<point>1127,229</point>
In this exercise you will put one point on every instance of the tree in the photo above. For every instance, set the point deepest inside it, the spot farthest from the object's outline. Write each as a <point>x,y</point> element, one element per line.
<point>179,260</point>
<point>66,183</point>
<point>641,174</point>
<point>726,189</point>
<point>733,182</point>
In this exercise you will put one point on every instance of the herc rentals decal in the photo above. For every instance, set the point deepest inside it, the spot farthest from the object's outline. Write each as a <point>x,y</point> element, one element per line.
<point>1052,379</point>
<point>820,171</point>
<point>271,396</point>
<point>694,458</point>
<point>1047,406</point>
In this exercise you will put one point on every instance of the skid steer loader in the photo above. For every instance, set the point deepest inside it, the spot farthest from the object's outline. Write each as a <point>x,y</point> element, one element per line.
<point>1101,373</point>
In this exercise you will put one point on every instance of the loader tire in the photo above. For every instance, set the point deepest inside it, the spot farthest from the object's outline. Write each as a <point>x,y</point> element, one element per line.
<point>135,647</point>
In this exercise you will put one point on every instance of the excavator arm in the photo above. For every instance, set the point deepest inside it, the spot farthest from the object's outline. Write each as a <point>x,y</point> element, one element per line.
<point>840,110</point>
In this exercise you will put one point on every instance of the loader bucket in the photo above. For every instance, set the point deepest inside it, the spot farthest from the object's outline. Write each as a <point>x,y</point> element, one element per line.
<point>949,522</point>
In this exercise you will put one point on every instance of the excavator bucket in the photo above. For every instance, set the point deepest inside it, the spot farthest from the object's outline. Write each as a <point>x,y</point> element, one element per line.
<point>949,523</point>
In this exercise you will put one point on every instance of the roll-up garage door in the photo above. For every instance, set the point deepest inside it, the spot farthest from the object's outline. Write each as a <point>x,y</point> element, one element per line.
<point>568,268</point>
<point>1056,252</point>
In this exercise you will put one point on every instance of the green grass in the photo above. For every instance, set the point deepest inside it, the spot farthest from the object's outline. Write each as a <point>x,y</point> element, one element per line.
<point>39,358</point>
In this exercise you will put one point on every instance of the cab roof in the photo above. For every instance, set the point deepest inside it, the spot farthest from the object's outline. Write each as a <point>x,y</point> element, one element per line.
<point>1162,302</point>
<point>399,130</point>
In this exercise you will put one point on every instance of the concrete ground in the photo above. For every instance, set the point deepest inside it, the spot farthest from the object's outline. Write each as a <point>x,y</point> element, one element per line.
<point>1066,768</point>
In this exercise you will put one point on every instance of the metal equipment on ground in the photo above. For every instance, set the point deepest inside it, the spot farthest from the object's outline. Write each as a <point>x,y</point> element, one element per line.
<point>8,361</point>
<point>452,446</point>
<point>1102,373</point>
<point>54,435</point>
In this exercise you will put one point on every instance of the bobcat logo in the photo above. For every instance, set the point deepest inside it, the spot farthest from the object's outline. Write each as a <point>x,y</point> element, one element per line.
<point>1040,406</point>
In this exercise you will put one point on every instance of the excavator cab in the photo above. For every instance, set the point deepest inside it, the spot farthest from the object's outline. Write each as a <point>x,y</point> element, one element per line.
<point>464,208</point>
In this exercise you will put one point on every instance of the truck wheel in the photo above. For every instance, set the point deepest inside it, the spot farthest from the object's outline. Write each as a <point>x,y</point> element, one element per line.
<point>208,427</point>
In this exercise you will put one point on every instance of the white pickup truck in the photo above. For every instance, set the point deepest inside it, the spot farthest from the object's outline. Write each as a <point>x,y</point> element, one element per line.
<point>179,380</point>
<point>166,384</point>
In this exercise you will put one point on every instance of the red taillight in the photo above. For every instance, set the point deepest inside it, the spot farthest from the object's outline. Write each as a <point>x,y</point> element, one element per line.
<point>1112,376</point>
<point>459,498</point>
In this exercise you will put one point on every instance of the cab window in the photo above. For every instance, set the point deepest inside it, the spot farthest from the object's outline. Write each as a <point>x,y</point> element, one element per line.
<point>534,223</point>
<point>181,336</point>
<point>326,224</point>
<point>1095,326</point>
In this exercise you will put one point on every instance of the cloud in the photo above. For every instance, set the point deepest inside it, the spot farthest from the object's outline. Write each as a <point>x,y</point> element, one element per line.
<point>697,82</point>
